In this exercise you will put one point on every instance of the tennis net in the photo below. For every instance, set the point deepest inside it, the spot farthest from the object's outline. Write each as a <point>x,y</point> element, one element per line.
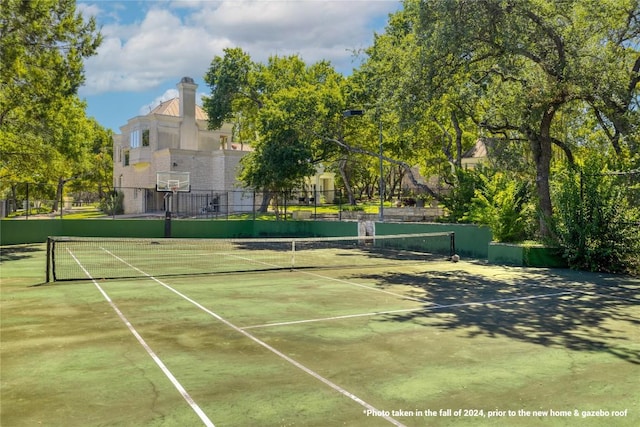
<point>77,258</point>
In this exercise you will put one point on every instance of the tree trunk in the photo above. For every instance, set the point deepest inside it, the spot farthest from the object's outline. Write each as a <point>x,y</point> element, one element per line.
<point>14,198</point>
<point>396,177</point>
<point>456,126</point>
<point>345,180</point>
<point>266,199</point>
<point>541,147</point>
<point>274,200</point>
<point>56,202</point>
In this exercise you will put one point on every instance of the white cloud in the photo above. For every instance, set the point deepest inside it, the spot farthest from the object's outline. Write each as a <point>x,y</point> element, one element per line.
<point>89,10</point>
<point>171,40</point>
<point>140,57</point>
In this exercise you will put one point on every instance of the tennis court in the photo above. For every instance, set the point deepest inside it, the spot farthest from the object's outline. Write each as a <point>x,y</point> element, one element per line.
<point>377,340</point>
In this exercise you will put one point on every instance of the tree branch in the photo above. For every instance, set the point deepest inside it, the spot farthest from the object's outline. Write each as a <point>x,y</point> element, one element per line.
<point>615,137</point>
<point>557,41</point>
<point>404,165</point>
<point>566,149</point>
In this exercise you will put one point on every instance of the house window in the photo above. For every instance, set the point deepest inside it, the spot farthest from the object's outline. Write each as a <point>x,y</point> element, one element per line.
<point>145,138</point>
<point>126,158</point>
<point>134,139</point>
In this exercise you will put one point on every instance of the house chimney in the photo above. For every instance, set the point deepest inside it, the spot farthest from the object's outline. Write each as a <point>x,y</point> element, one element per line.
<point>188,128</point>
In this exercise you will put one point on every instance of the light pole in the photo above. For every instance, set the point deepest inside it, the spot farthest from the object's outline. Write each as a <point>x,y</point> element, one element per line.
<point>381,173</point>
<point>351,113</point>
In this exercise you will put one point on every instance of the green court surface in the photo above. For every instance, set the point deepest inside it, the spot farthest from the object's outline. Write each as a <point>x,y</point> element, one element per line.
<point>413,343</point>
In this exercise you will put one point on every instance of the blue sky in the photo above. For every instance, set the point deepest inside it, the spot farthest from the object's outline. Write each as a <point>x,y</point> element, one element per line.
<point>150,45</point>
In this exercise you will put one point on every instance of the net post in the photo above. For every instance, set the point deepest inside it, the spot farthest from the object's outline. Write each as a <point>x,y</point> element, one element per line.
<point>48,273</point>
<point>452,245</point>
<point>293,254</point>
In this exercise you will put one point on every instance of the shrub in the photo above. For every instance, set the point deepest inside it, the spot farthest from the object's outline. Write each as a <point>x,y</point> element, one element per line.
<point>353,208</point>
<point>113,203</point>
<point>504,204</point>
<point>458,201</point>
<point>594,222</point>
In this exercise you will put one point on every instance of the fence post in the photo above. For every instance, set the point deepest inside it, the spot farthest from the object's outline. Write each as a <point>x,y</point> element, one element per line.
<point>28,202</point>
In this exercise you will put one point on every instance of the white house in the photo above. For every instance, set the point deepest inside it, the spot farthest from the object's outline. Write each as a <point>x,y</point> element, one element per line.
<point>175,137</point>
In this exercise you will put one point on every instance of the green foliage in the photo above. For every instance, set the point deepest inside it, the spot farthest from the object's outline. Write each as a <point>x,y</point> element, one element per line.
<point>228,78</point>
<point>353,208</point>
<point>279,165</point>
<point>42,45</point>
<point>504,204</point>
<point>522,71</point>
<point>113,203</point>
<point>595,223</point>
<point>285,107</point>
<point>459,200</point>
<point>45,135</point>
<point>496,199</point>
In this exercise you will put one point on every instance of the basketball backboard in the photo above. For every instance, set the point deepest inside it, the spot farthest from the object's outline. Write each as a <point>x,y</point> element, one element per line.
<point>173,182</point>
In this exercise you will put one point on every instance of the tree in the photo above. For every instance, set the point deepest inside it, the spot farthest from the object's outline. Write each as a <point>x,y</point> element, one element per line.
<point>232,91</point>
<point>517,66</point>
<point>424,130</point>
<point>43,126</point>
<point>284,107</point>
<point>42,45</point>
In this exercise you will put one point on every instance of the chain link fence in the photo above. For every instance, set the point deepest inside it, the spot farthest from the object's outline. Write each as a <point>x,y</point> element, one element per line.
<point>32,199</point>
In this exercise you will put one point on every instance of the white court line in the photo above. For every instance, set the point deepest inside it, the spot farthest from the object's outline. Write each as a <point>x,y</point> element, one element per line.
<point>161,365</point>
<point>258,341</point>
<point>322,319</point>
<point>431,308</point>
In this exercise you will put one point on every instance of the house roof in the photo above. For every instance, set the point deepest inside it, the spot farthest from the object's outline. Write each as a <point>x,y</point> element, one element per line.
<point>479,150</point>
<point>172,108</point>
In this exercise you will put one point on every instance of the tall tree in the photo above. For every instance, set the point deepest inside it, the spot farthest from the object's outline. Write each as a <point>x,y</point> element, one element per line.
<point>42,44</point>
<point>420,129</point>
<point>42,121</point>
<point>521,63</point>
<point>284,107</point>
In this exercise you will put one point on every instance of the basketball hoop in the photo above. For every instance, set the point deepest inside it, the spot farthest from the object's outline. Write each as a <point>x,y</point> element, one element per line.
<point>171,183</point>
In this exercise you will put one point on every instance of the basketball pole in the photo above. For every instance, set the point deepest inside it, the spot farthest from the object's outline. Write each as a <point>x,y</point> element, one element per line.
<point>167,214</point>
<point>171,183</point>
